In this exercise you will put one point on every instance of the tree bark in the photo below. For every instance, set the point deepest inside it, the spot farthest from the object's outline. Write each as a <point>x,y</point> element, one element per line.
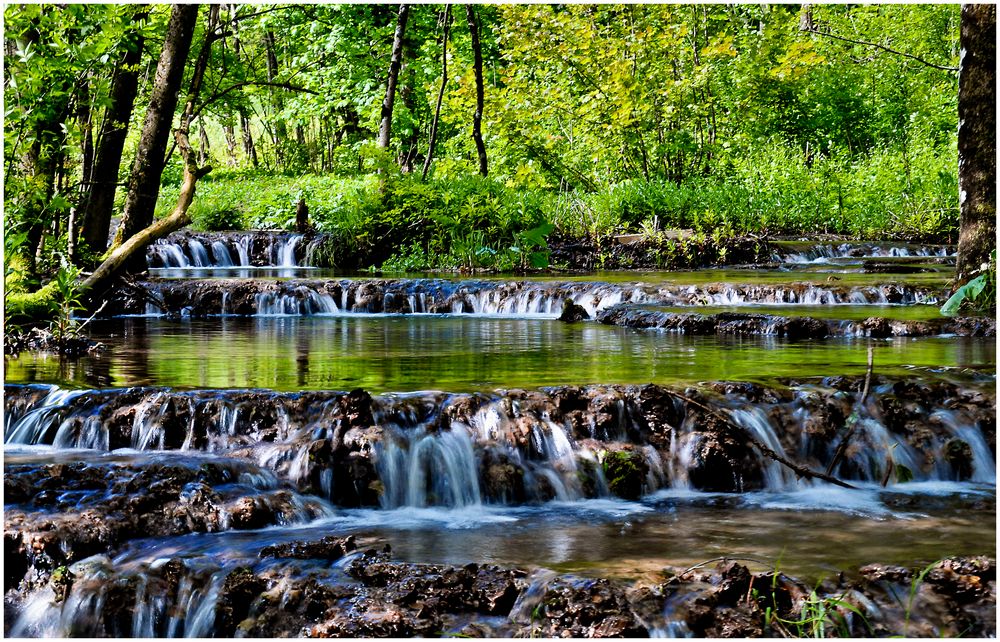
<point>248,147</point>
<point>280,131</point>
<point>477,68</point>
<point>99,199</point>
<point>395,62</point>
<point>144,184</point>
<point>444,81</point>
<point>977,144</point>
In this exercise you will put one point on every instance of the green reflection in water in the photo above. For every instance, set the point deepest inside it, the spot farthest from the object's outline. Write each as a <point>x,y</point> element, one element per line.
<point>404,353</point>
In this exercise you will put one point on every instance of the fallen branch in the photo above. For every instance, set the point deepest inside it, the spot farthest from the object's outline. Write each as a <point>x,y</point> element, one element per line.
<point>178,218</point>
<point>801,471</point>
<point>855,416</point>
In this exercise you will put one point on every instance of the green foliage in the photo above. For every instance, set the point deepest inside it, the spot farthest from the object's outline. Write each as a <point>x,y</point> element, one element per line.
<point>978,294</point>
<point>597,118</point>
<point>67,302</point>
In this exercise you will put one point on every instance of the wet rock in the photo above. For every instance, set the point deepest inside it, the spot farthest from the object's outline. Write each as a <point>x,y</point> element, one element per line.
<point>573,313</point>
<point>582,608</point>
<point>625,472</point>
<point>958,454</point>
<point>501,477</point>
<point>722,460</point>
<point>43,340</point>
<point>240,590</point>
<point>328,548</point>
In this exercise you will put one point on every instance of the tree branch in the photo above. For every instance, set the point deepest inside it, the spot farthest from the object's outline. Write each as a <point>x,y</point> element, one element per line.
<point>801,471</point>
<point>813,29</point>
<point>252,83</point>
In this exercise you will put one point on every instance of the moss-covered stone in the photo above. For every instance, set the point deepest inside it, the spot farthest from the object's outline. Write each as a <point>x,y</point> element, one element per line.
<point>625,472</point>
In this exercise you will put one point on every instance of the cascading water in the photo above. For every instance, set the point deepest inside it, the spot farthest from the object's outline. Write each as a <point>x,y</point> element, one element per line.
<point>221,254</point>
<point>500,298</point>
<point>823,252</point>
<point>286,250</point>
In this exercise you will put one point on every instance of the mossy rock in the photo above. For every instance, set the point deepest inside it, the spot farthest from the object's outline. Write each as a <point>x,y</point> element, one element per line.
<point>625,472</point>
<point>31,307</point>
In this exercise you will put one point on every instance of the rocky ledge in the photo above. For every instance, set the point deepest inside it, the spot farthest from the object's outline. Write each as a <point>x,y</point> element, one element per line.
<point>792,327</point>
<point>368,594</point>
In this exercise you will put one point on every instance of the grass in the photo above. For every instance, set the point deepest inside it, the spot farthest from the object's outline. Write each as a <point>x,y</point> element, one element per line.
<point>882,195</point>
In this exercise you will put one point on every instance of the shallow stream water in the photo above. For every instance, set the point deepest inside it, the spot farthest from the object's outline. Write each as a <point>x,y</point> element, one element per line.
<point>434,506</point>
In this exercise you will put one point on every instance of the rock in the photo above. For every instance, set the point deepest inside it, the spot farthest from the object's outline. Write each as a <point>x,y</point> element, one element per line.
<point>625,472</point>
<point>328,548</point>
<point>573,313</point>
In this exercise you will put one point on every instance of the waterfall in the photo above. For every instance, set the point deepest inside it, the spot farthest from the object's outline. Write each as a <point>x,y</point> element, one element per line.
<point>983,466</point>
<point>420,469</point>
<point>35,425</point>
<point>243,249</point>
<point>199,255</point>
<point>286,250</point>
<point>221,254</point>
<point>776,476</point>
<point>171,254</point>
<point>824,253</point>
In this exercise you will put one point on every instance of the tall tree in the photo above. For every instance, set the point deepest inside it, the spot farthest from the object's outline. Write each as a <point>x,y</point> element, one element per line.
<point>132,249</point>
<point>446,17</point>
<point>98,199</point>
<point>395,62</point>
<point>477,68</point>
<point>977,143</point>
<point>150,158</point>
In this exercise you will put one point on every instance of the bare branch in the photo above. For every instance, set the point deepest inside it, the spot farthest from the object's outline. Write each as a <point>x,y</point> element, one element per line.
<point>252,83</point>
<point>813,29</point>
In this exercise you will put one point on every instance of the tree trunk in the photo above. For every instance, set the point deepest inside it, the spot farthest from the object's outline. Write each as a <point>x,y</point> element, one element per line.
<point>444,81</point>
<point>40,162</point>
<point>136,244</point>
<point>133,249</point>
<point>477,68</point>
<point>977,144</point>
<point>99,199</point>
<point>280,131</point>
<point>248,147</point>
<point>385,128</point>
<point>144,184</point>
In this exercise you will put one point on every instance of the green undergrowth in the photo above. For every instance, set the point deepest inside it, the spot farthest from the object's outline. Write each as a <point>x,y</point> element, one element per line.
<point>470,220</point>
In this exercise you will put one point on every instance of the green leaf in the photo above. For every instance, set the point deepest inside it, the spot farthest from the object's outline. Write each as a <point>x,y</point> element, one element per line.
<point>968,292</point>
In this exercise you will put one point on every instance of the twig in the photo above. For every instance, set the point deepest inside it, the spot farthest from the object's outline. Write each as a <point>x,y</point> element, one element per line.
<point>728,558</point>
<point>84,324</point>
<point>883,47</point>
<point>802,471</point>
<point>855,416</point>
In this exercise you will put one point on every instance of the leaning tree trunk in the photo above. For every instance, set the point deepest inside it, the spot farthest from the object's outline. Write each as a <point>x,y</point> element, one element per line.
<point>133,249</point>
<point>385,128</point>
<point>136,244</point>
<point>977,143</point>
<point>477,68</point>
<point>99,197</point>
<point>150,158</point>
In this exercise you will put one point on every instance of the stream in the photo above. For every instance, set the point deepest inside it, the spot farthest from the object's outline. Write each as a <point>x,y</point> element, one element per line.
<point>264,448</point>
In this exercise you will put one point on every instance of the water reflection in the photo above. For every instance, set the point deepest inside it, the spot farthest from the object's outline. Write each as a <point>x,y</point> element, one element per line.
<point>460,353</point>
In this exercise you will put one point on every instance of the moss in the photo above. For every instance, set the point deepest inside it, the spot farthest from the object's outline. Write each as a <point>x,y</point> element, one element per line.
<point>16,269</point>
<point>31,307</point>
<point>625,472</point>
